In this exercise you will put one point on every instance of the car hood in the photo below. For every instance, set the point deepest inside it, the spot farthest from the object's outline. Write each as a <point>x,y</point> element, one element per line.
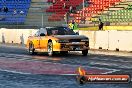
<point>70,37</point>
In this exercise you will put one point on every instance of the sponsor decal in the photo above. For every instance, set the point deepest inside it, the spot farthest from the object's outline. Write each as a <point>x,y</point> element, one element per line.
<point>84,77</point>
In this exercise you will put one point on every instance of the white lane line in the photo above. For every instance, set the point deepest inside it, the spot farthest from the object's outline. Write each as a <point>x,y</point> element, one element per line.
<point>110,71</point>
<point>111,64</point>
<point>11,71</point>
<point>24,73</point>
<point>103,63</point>
<point>69,74</point>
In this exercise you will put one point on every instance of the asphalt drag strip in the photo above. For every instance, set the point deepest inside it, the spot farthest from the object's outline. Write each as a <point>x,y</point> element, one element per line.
<point>38,67</point>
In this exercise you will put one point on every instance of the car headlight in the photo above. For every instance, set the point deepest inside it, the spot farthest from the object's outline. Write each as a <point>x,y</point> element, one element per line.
<point>62,41</point>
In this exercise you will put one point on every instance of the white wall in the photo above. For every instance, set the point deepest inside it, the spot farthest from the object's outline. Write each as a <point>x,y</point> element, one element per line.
<point>110,40</point>
<point>125,40</point>
<point>16,35</point>
<point>106,39</point>
<point>101,39</point>
<point>91,35</point>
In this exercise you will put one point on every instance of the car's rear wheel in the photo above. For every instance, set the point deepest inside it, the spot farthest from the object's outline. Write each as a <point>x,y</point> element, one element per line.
<point>31,49</point>
<point>50,48</point>
<point>84,52</point>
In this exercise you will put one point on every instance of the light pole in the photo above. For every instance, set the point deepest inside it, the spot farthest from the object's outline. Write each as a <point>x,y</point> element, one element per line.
<point>42,19</point>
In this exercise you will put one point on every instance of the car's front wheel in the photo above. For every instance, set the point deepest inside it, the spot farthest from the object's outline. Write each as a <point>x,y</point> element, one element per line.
<point>50,48</point>
<point>31,49</point>
<point>84,52</point>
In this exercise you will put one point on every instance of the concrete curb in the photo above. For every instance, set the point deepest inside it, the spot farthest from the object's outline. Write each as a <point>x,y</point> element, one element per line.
<point>111,53</point>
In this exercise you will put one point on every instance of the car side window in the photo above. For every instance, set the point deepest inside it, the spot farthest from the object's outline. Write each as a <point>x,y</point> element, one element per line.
<point>41,32</point>
<point>54,32</point>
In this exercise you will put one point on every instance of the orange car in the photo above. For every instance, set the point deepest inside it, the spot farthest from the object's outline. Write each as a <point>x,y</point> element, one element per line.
<point>57,39</point>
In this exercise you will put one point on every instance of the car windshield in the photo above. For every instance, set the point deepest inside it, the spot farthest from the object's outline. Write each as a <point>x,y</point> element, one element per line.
<point>60,31</point>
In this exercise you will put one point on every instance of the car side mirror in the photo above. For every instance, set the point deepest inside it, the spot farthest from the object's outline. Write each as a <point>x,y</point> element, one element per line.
<point>42,34</point>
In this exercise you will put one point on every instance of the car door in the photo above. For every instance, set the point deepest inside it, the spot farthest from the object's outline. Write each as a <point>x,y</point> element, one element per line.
<point>43,39</point>
<point>36,41</point>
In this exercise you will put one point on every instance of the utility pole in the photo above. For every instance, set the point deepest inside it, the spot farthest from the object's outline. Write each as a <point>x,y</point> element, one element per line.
<point>42,19</point>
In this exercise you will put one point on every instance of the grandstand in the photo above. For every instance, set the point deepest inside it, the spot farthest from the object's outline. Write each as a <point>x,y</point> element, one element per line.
<point>38,16</point>
<point>111,12</point>
<point>34,14</point>
<point>119,17</point>
<point>38,13</point>
<point>107,10</point>
<point>9,18</point>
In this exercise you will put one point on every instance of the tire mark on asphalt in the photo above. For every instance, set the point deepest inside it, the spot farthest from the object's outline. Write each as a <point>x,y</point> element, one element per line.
<point>12,57</point>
